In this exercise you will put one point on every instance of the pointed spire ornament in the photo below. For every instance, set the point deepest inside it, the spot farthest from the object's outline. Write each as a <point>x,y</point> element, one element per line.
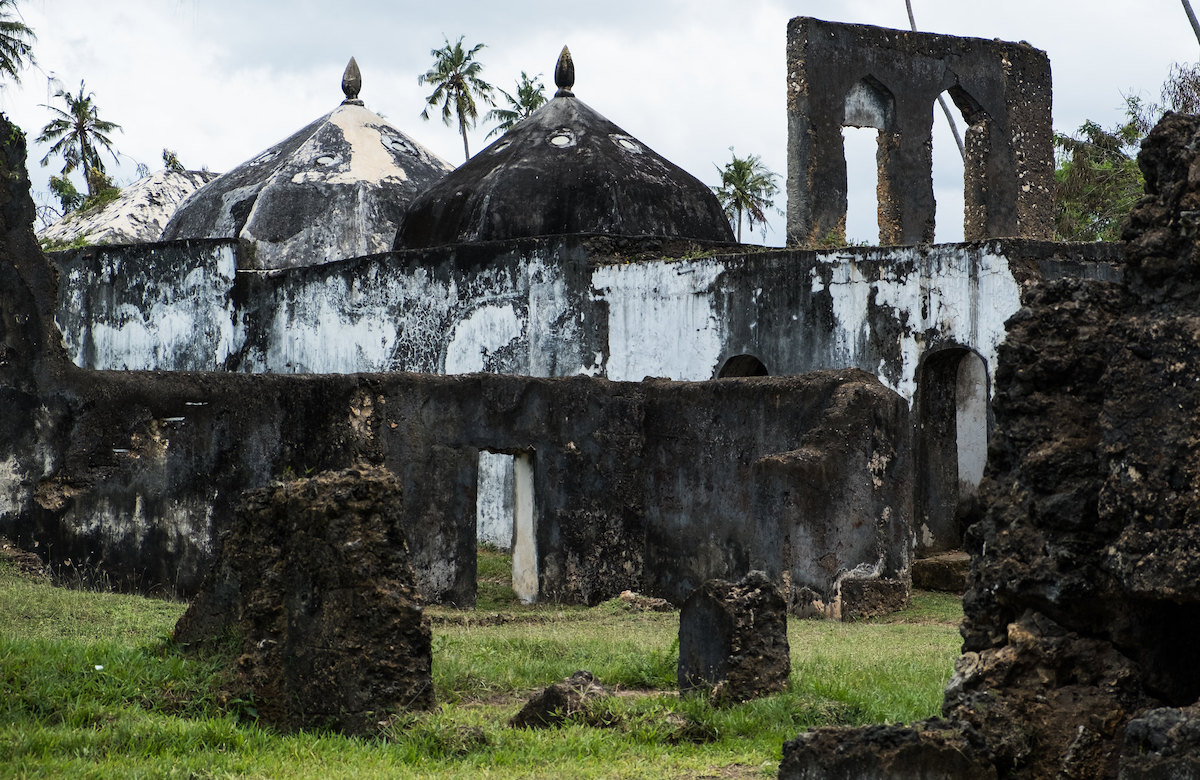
<point>564,74</point>
<point>352,83</point>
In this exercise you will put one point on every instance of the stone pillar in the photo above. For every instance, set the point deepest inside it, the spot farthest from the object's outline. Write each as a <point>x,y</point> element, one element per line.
<point>314,577</point>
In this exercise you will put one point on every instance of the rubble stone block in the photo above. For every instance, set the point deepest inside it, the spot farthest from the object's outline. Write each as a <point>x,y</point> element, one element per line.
<point>314,577</point>
<point>559,702</point>
<point>1162,744</point>
<point>920,752</point>
<point>733,639</point>
<point>863,598</point>
<point>946,572</point>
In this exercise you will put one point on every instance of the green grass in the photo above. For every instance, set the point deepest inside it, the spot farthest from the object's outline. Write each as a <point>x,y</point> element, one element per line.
<point>151,711</point>
<point>493,579</point>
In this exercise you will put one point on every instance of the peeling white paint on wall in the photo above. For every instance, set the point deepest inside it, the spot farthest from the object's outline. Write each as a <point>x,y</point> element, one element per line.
<point>966,301</point>
<point>183,528</point>
<point>662,319</point>
<point>113,316</point>
<point>14,493</point>
<point>483,332</point>
<point>519,314</point>
<point>320,334</point>
<point>493,500</point>
<point>970,425</point>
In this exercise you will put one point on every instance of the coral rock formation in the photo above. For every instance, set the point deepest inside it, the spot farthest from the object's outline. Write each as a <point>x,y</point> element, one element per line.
<point>1081,631</point>
<point>315,579</point>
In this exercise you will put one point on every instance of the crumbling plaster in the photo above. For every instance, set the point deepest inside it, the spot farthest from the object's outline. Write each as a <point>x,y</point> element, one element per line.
<point>551,307</point>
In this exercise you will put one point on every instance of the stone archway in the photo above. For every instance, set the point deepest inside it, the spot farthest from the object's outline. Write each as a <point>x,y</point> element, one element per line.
<point>950,419</point>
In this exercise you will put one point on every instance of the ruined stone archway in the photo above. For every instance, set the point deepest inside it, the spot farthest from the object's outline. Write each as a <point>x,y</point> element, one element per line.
<point>950,440</point>
<point>870,104</point>
<point>1011,81</point>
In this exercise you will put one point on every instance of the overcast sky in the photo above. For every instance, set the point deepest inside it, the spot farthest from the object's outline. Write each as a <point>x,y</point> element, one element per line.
<point>218,81</point>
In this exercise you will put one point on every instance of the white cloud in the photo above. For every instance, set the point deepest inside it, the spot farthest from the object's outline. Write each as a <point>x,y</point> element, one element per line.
<point>220,80</point>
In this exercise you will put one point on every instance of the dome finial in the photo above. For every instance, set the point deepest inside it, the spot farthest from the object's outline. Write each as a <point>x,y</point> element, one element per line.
<point>352,83</point>
<point>564,74</point>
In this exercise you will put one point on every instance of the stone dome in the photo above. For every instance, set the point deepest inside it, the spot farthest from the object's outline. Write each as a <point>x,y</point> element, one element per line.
<point>137,216</point>
<point>564,169</point>
<point>335,189</point>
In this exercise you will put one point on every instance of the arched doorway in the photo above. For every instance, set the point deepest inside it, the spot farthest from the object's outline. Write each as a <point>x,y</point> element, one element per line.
<point>951,436</point>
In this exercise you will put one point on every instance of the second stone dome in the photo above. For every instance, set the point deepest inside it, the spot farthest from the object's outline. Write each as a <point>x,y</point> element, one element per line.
<point>563,170</point>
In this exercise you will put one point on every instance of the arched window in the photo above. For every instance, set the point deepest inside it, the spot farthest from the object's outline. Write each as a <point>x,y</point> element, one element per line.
<point>868,119</point>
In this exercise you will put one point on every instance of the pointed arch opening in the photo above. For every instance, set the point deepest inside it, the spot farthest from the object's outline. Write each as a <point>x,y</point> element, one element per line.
<point>951,426</point>
<point>868,139</point>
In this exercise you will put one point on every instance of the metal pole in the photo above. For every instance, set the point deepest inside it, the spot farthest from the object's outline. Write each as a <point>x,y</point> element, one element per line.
<point>1187,6</point>
<point>942,100</point>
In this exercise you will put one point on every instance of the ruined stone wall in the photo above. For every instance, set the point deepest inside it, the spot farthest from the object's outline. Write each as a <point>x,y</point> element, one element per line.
<point>555,307</point>
<point>133,476</point>
<point>583,305</point>
<point>635,484</point>
<point>864,76</point>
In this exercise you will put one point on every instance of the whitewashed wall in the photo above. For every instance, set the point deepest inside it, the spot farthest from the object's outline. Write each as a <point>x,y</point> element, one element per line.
<point>540,310</point>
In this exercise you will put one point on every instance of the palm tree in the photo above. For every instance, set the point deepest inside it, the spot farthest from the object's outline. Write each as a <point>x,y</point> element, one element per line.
<point>455,77</point>
<point>79,134</point>
<point>531,95</point>
<point>16,40</point>
<point>747,188</point>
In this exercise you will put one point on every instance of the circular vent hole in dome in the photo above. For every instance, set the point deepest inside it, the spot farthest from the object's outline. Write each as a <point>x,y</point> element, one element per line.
<point>562,138</point>
<point>627,144</point>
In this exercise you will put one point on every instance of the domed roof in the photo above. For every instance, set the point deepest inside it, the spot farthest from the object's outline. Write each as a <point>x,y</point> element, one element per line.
<point>136,216</point>
<point>335,189</point>
<point>564,169</point>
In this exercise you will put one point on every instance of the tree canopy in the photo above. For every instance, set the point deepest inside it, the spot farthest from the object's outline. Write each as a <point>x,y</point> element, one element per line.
<point>79,134</point>
<point>746,191</point>
<point>16,41</point>
<point>455,76</point>
<point>1097,179</point>
<point>529,97</point>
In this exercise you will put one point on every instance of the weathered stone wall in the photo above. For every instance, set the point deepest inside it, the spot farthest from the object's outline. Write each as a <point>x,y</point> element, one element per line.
<point>142,470</point>
<point>863,76</point>
<point>587,305</point>
<point>556,307</point>
<point>136,474</point>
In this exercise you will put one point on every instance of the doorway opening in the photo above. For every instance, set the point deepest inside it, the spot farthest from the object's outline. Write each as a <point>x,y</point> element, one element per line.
<point>505,522</point>
<point>951,420</point>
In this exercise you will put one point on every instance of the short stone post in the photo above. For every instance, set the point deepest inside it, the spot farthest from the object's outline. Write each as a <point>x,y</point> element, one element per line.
<point>733,640</point>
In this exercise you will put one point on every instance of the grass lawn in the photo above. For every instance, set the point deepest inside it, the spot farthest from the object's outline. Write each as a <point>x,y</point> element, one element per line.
<point>91,686</point>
